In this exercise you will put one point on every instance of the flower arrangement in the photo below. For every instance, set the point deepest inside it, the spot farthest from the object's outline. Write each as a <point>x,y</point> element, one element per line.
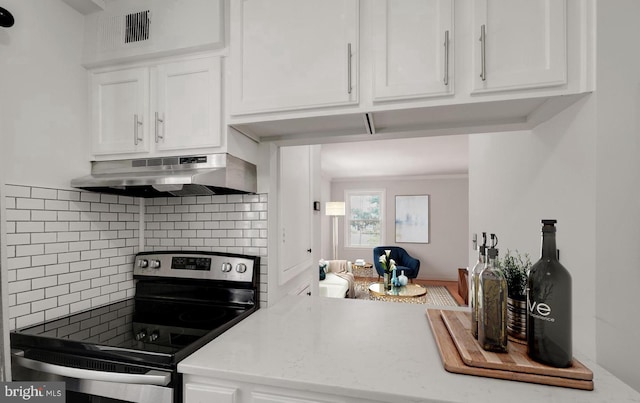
<point>389,265</point>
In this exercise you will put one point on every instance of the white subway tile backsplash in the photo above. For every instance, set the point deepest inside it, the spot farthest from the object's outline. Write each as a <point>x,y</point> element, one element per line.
<point>25,320</point>
<point>17,191</point>
<point>56,226</point>
<point>29,296</point>
<point>225,223</point>
<point>43,215</point>
<point>28,226</point>
<point>44,282</point>
<point>56,204</point>
<point>72,250</point>
<point>68,195</point>
<point>29,204</point>
<point>18,239</point>
<point>44,193</point>
<point>42,260</point>
<point>61,289</point>
<point>56,312</point>
<point>72,216</point>
<point>19,262</point>
<point>43,237</point>
<point>79,286</point>
<point>68,257</point>
<point>51,258</point>
<point>56,269</point>
<point>30,273</point>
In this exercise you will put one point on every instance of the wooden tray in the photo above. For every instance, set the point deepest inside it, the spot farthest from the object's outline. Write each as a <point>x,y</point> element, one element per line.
<point>452,360</point>
<point>459,325</point>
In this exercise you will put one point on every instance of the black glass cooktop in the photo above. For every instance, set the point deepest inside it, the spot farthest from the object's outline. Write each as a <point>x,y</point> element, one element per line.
<point>147,330</point>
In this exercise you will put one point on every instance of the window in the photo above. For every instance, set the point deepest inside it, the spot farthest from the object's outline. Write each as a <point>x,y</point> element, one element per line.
<point>364,218</point>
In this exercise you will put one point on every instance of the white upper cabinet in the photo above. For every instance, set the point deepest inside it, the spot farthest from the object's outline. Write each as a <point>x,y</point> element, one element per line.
<point>292,54</point>
<point>169,106</point>
<point>519,44</point>
<point>120,111</point>
<point>187,113</point>
<point>412,48</point>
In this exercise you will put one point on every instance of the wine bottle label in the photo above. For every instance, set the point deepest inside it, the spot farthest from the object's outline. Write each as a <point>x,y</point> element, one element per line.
<point>540,310</point>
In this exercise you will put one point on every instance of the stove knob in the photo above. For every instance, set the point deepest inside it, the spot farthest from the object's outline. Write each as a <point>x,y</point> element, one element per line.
<point>241,267</point>
<point>154,264</point>
<point>226,267</point>
<point>141,335</point>
<point>143,263</point>
<point>154,336</point>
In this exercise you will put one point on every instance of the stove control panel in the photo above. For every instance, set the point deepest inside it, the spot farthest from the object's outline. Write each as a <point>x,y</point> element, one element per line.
<point>197,265</point>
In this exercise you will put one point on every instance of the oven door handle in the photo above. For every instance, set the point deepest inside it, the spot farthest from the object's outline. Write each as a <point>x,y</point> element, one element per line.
<point>150,378</point>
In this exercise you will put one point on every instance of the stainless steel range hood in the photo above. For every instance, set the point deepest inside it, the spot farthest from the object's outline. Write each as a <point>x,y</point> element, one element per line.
<point>194,175</point>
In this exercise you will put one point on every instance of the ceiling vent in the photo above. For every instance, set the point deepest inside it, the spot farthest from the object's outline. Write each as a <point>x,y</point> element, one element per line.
<point>119,30</point>
<point>137,27</point>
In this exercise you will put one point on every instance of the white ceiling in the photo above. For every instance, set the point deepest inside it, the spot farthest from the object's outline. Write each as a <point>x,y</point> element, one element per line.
<point>420,156</point>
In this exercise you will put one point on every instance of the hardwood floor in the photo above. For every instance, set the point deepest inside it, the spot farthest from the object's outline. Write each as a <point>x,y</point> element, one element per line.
<point>452,286</point>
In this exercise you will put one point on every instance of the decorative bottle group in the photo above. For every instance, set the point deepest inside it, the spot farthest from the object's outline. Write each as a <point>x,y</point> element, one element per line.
<point>549,336</point>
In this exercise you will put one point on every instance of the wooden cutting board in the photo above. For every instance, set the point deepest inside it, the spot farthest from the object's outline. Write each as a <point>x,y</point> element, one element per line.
<point>452,360</point>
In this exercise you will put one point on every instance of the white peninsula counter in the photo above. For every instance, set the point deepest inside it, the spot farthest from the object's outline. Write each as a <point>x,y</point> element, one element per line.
<point>308,349</point>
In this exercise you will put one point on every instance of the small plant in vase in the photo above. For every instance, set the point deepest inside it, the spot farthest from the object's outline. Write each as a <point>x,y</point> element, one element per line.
<point>515,268</point>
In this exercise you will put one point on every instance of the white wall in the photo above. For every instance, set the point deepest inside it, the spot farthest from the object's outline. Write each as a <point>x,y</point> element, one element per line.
<point>43,95</point>
<point>448,227</point>
<point>618,189</point>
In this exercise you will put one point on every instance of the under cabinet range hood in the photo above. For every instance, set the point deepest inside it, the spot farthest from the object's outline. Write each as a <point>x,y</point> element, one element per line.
<point>194,175</point>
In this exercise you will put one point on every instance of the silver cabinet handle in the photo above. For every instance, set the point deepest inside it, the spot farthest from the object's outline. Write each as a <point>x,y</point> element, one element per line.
<point>150,378</point>
<point>159,121</point>
<point>446,57</point>
<point>349,87</point>
<point>483,50</point>
<point>136,124</point>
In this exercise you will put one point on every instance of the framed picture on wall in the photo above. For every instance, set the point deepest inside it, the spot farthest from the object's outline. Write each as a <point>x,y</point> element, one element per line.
<point>412,219</point>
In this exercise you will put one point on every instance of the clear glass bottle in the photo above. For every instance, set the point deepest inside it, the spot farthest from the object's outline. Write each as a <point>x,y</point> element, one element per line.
<point>473,285</point>
<point>549,305</point>
<point>492,306</point>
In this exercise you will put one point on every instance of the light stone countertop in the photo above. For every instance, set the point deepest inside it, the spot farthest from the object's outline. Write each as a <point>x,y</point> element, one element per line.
<point>380,351</point>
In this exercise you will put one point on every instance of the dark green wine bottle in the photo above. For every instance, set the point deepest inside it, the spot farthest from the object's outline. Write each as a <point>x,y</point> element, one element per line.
<point>549,305</point>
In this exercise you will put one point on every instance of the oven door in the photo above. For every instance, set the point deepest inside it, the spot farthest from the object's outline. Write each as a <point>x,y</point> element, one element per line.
<point>90,385</point>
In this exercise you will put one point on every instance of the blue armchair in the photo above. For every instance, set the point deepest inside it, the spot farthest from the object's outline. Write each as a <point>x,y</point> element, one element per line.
<point>410,265</point>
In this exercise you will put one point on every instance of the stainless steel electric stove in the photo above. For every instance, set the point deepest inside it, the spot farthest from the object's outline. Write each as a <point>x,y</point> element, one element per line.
<point>128,351</point>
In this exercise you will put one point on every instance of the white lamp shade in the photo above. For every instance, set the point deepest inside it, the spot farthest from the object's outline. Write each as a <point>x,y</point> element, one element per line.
<point>334,208</point>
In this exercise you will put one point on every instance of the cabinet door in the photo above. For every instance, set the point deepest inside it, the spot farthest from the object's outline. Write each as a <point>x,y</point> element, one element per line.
<point>292,54</point>
<point>413,48</point>
<point>196,393</point>
<point>295,211</point>
<point>187,112</point>
<point>120,104</point>
<point>523,46</point>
